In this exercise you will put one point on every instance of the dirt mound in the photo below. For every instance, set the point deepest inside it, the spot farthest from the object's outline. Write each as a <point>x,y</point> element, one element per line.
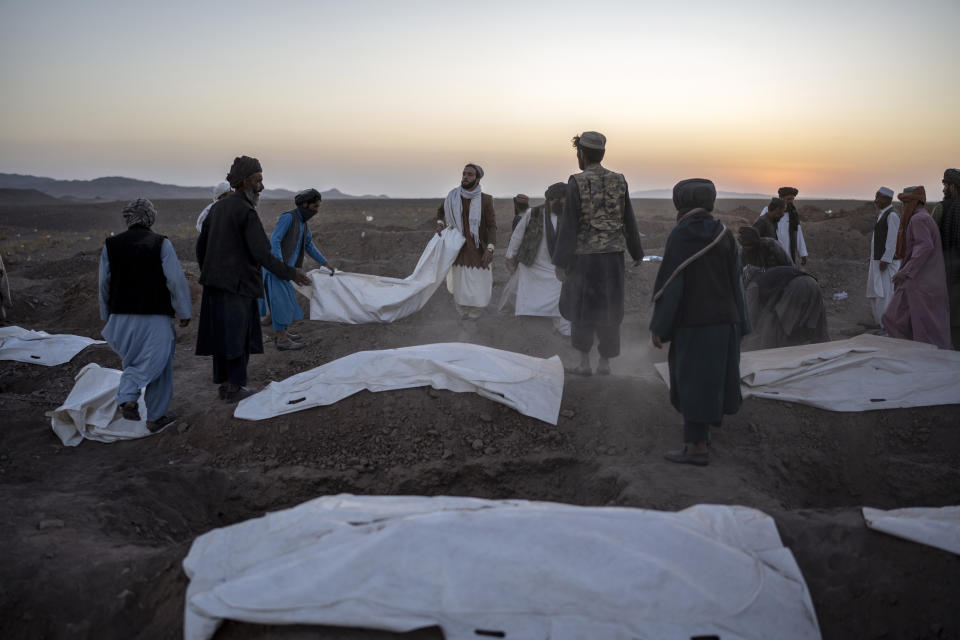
<point>96,533</point>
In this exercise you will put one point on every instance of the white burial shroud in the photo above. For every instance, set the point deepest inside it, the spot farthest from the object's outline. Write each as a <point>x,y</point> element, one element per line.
<point>532,386</point>
<point>935,526</point>
<point>90,410</point>
<point>358,298</point>
<point>859,374</point>
<point>509,568</point>
<point>40,347</point>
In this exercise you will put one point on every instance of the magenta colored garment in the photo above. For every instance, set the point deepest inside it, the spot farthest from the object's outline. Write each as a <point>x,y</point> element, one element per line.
<point>920,309</point>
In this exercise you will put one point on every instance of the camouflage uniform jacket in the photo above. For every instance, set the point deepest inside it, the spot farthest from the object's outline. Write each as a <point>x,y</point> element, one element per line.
<point>597,217</point>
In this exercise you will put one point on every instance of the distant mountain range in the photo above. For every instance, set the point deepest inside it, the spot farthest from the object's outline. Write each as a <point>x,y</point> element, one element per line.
<point>668,194</point>
<point>116,188</point>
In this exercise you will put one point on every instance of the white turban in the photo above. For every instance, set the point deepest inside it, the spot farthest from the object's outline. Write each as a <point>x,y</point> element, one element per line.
<point>222,187</point>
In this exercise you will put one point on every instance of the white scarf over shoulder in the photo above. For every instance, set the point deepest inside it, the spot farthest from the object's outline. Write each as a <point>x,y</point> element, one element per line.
<point>453,211</point>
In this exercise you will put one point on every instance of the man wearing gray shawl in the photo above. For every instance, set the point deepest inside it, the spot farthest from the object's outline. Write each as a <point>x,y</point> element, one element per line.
<point>470,211</point>
<point>142,287</point>
<point>699,309</point>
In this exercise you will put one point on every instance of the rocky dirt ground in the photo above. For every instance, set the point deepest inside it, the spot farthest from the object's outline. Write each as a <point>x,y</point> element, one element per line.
<point>94,535</point>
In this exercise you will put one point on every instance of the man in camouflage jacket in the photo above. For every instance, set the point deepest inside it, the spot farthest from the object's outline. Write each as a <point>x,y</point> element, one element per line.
<point>596,227</point>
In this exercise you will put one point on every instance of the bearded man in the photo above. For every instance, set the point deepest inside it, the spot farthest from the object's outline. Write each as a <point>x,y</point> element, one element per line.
<point>766,224</point>
<point>596,227</point>
<point>919,309</point>
<point>470,211</point>
<point>947,216</point>
<point>883,244</point>
<point>142,287</point>
<point>231,249</point>
<point>521,204</point>
<point>789,233</point>
<point>531,252</point>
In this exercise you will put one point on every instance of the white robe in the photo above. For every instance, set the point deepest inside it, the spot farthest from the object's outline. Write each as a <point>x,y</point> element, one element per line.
<point>470,286</point>
<point>538,290</point>
<point>880,283</point>
<point>783,236</point>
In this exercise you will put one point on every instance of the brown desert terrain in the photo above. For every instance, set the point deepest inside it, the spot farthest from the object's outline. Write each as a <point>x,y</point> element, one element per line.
<point>94,535</point>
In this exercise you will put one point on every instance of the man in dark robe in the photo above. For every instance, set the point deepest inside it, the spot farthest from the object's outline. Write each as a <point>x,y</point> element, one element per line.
<point>596,227</point>
<point>947,216</point>
<point>762,252</point>
<point>785,306</point>
<point>699,309</point>
<point>766,224</point>
<point>231,249</point>
<point>470,211</point>
<point>521,204</point>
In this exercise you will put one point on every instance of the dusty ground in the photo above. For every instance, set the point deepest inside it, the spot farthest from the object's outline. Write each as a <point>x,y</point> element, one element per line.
<point>94,535</point>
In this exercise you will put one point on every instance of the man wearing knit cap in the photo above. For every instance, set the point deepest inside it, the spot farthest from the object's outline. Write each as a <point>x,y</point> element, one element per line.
<point>221,191</point>
<point>596,227</point>
<point>883,266</point>
<point>521,204</point>
<point>789,233</point>
<point>231,249</point>
<point>530,252</point>
<point>142,287</point>
<point>919,309</point>
<point>947,216</point>
<point>470,211</point>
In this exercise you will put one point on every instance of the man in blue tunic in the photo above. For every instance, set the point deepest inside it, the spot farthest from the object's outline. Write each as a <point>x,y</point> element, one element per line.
<point>699,309</point>
<point>142,287</point>
<point>291,238</point>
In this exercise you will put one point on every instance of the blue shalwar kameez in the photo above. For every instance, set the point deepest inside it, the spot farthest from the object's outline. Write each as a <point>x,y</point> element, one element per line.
<point>146,342</point>
<point>279,294</point>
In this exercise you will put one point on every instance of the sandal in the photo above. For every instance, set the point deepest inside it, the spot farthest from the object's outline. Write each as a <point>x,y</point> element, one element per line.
<point>603,371</point>
<point>578,371</point>
<point>682,457</point>
<point>231,397</point>
<point>161,423</point>
<point>130,411</point>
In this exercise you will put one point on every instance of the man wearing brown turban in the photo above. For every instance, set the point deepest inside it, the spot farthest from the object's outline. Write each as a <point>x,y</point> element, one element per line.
<point>231,249</point>
<point>919,309</point>
<point>947,216</point>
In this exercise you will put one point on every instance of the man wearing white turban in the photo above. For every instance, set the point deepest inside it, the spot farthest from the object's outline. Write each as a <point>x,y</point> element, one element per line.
<point>221,191</point>
<point>883,266</point>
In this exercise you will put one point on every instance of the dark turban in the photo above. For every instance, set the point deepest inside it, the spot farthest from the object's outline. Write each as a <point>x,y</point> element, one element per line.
<point>952,176</point>
<point>476,168</point>
<point>307,196</point>
<point>556,190</point>
<point>695,193</point>
<point>748,236</point>
<point>783,192</point>
<point>520,198</point>
<point>242,168</point>
<point>140,211</point>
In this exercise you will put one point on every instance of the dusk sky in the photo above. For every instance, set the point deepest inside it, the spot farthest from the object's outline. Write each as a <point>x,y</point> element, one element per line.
<point>835,98</point>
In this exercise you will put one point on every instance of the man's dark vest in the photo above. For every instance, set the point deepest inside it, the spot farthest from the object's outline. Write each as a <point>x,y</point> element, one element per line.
<point>794,218</point>
<point>289,243</point>
<point>880,234</point>
<point>137,283</point>
<point>708,293</point>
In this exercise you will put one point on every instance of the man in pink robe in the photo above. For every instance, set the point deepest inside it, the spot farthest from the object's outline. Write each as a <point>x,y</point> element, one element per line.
<point>919,309</point>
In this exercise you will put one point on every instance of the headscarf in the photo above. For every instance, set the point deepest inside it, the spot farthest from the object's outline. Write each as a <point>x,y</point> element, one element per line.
<point>696,232</point>
<point>242,168</point>
<point>783,192</point>
<point>140,211</point>
<point>748,236</point>
<point>952,176</point>
<point>521,198</point>
<point>221,188</point>
<point>912,198</point>
<point>556,190</point>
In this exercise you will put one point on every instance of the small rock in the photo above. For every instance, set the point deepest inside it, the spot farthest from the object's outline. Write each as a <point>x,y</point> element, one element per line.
<point>568,413</point>
<point>490,451</point>
<point>182,428</point>
<point>433,393</point>
<point>486,417</point>
<point>52,523</point>
<point>477,444</point>
<point>447,454</point>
